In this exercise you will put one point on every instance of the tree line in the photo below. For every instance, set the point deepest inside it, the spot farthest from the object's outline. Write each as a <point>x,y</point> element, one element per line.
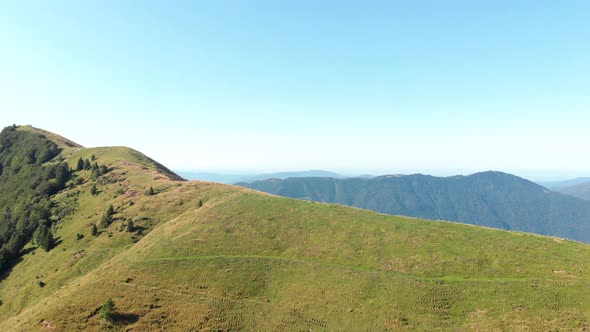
<point>27,181</point>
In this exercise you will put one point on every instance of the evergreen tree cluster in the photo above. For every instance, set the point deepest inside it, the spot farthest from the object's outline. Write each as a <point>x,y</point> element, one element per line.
<point>30,174</point>
<point>92,166</point>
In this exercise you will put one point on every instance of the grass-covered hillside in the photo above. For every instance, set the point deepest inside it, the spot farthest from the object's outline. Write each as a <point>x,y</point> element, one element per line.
<point>188,256</point>
<point>491,199</point>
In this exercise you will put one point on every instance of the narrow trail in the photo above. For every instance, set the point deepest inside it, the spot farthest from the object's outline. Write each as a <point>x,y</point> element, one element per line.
<point>448,278</point>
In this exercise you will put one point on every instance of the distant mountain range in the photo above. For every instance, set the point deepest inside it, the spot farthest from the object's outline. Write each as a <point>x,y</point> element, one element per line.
<point>581,190</point>
<point>235,178</point>
<point>579,187</point>
<point>556,185</point>
<point>491,199</point>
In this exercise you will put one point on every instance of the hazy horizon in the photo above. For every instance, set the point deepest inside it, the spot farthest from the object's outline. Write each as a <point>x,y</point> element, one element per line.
<point>431,87</point>
<point>548,176</point>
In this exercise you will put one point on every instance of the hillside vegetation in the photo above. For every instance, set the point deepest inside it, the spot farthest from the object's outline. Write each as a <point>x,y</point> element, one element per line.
<point>188,256</point>
<point>27,181</point>
<point>491,199</point>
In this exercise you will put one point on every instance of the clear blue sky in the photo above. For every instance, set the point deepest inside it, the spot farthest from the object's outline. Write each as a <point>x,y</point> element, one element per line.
<point>440,86</point>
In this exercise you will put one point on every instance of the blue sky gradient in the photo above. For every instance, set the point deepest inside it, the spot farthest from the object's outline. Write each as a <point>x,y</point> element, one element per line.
<point>377,86</point>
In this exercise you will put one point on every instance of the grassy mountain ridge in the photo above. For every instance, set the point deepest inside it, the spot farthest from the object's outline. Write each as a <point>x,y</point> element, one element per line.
<point>60,141</point>
<point>208,256</point>
<point>491,199</point>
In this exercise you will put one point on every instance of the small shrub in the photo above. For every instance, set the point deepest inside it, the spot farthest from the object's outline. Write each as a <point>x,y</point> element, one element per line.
<point>130,226</point>
<point>107,309</point>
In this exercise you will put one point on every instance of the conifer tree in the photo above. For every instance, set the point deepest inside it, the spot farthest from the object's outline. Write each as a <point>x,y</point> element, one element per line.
<point>95,171</point>
<point>130,226</point>
<point>80,165</point>
<point>110,210</point>
<point>43,236</point>
<point>106,311</point>
<point>62,174</point>
<point>107,218</point>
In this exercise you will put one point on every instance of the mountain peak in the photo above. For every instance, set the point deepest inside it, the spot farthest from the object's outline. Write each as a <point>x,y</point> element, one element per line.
<point>61,141</point>
<point>113,155</point>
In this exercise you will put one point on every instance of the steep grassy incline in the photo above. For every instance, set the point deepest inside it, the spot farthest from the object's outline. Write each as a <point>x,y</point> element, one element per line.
<point>205,256</point>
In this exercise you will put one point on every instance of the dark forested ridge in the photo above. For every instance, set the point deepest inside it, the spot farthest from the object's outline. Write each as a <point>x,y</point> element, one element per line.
<point>29,175</point>
<point>492,199</point>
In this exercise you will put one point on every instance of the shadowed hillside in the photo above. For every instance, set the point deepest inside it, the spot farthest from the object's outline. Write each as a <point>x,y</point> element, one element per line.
<point>178,255</point>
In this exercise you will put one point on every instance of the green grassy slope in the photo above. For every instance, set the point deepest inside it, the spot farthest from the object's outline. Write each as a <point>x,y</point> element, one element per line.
<point>491,199</point>
<point>245,260</point>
